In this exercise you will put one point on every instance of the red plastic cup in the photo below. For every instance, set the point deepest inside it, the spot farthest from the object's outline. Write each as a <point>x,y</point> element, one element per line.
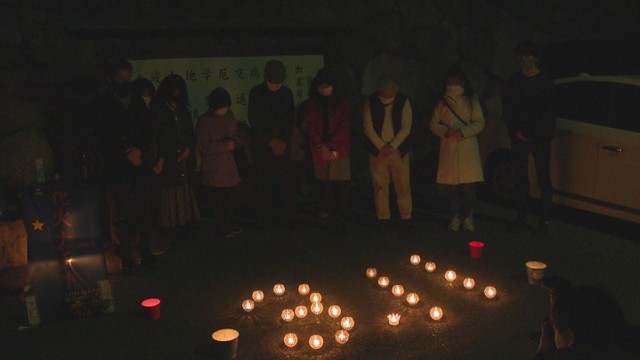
<point>475,249</point>
<point>152,307</point>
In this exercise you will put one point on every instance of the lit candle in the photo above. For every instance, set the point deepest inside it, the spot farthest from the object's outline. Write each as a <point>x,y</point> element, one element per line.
<point>287,315</point>
<point>394,319</point>
<point>415,259</point>
<point>278,289</point>
<point>371,273</point>
<point>342,336</point>
<point>430,266</point>
<point>397,290</point>
<point>490,292</point>
<point>412,298</point>
<point>347,323</point>
<point>383,281</point>
<point>301,311</point>
<point>316,341</point>
<point>257,296</point>
<point>304,289</point>
<point>436,313</point>
<point>225,343</point>
<point>450,275</point>
<point>291,340</point>
<point>315,297</point>
<point>468,283</point>
<point>317,308</point>
<point>334,311</point>
<point>248,305</point>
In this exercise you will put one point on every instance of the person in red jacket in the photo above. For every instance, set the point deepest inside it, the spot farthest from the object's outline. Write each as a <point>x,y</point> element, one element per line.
<point>328,121</point>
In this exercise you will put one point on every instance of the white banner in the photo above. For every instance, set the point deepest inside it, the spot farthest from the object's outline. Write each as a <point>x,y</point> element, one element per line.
<point>236,74</point>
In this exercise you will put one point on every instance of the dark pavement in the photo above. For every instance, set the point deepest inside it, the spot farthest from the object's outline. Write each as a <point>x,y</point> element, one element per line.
<point>203,283</point>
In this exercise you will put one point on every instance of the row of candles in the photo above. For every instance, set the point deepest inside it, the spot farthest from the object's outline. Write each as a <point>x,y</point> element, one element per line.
<point>291,339</point>
<point>436,313</point>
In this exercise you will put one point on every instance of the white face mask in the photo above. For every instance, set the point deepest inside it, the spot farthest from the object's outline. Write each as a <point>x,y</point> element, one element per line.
<point>221,111</point>
<point>147,100</point>
<point>455,89</point>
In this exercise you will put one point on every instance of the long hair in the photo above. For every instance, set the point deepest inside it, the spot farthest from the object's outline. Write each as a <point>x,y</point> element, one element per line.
<point>141,85</point>
<point>166,88</point>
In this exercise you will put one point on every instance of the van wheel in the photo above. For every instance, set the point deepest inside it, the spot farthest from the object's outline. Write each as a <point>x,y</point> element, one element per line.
<point>499,186</point>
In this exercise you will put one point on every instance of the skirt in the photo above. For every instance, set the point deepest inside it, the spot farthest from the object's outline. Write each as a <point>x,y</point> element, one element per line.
<point>178,205</point>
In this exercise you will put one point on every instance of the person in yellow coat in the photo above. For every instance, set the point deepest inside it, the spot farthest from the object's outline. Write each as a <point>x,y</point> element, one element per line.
<point>457,119</point>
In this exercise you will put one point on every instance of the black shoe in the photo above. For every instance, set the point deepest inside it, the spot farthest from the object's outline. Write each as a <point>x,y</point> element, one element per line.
<point>406,225</point>
<point>542,230</point>
<point>383,225</point>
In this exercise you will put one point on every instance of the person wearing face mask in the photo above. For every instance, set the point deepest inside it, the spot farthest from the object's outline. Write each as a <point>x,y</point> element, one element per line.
<point>456,120</point>
<point>175,141</point>
<point>387,126</point>
<point>327,117</point>
<point>121,157</point>
<point>529,113</point>
<point>217,139</point>
<point>271,114</point>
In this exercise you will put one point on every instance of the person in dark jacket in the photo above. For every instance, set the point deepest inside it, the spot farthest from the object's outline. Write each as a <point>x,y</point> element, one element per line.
<point>122,145</point>
<point>327,117</point>
<point>175,141</point>
<point>271,115</point>
<point>529,113</point>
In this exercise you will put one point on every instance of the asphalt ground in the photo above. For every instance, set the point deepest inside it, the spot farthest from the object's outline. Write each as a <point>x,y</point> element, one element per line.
<point>203,282</point>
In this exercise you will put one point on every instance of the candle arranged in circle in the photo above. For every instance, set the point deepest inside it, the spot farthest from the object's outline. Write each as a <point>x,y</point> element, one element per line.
<point>315,297</point>
<point>450,276</point>
<point>316,341</point>
<point>304,289</point>
<point>291,340</point>
<point>342,336</point>
<point>436,313</point>
<point>301,311</point>
<point>397,290</point>
<point>372,272</point>
<point>490,292</point>
<point>394,319</point>
<point>257,296</point>
<point>347,323</point>
<point>468,283</point>
<point>334,311</point>
<point>248,305</point>
<point>278,289</point>
<point>412,298</point>
<point>430,266</point>
<point>383,281</point>
<point>287,315</point>
<point>414,259</point>
<point>317,308</point>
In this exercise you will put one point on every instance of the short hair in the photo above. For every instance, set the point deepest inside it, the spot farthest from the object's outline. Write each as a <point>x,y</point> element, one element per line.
<point>456,72</point>
<point>528,47</point>
<point>142,85</point>
<point>116,65</point>
<point>386,83</point>
<point>274,71</point>
<point>218,98</point>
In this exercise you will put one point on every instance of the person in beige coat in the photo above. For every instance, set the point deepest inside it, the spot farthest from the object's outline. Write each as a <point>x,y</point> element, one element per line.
<point>457,119</point>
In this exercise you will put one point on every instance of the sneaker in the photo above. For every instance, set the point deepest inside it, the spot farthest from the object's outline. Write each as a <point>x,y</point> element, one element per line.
<point>468,225</point>
<point>454,225</point>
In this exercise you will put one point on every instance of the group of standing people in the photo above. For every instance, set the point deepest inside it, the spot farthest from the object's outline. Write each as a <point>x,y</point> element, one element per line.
<point>151,151</point>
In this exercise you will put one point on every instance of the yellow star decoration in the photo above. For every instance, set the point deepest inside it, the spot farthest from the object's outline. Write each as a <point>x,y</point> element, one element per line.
<point>37,225</point>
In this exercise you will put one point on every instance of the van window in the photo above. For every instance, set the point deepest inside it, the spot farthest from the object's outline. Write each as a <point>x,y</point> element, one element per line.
<point>584,101</point>
<point>626,107</point>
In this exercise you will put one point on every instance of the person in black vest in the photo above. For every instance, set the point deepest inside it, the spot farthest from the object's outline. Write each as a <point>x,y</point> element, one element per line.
<point>529,113</point>
<point>387,126</point>
<point>271,115</point>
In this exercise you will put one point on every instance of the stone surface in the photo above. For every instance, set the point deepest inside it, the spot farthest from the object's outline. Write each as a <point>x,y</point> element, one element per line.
<point>13,244</point>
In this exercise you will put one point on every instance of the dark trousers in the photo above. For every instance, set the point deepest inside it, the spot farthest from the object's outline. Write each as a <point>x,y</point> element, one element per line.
<point>461,199</point>
<point>132,215</point>
<point>541,153</point>
<point>275,187</point>
<point>222,202</point>
<point>334,198</point>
